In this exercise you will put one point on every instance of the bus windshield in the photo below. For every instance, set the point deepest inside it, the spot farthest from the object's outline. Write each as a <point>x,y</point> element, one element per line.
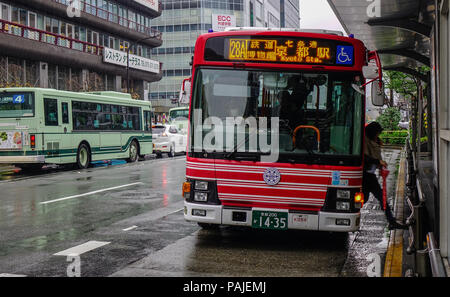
<point>319,114</point>
<point>16,105</point>
<point>179,114</point>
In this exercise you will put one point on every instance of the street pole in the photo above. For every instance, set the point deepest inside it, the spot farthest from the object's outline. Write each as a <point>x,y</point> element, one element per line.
<point>128,70</point>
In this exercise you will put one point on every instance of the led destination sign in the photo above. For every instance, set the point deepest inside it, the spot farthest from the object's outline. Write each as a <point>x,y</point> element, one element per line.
<point>280,50</point>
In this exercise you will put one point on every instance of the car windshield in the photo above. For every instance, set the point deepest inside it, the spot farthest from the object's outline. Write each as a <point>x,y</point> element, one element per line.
<point>318,113</point>
<point>16,105</point>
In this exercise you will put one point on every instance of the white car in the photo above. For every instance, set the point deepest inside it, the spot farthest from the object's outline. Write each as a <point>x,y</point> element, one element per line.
<point>168,139</point>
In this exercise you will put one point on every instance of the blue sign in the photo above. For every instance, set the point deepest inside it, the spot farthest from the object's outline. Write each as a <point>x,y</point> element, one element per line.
<point>344,55</point>
<point>336,178</point>
<point>18,99</point>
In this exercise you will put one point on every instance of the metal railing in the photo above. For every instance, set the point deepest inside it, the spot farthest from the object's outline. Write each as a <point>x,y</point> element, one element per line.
<point>48,37</point>
<point>115,18</point>
<point>434,253</point>
<point>426,254</point>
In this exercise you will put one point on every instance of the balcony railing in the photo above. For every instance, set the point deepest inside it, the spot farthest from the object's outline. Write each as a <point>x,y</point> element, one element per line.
<point>115,18</point>
<point>48,37</point>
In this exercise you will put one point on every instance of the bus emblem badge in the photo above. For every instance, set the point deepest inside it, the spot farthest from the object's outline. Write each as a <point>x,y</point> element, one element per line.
<point>272,176</point>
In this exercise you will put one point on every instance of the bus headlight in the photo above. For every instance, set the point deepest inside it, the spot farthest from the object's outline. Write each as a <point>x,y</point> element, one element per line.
<point>343,194</point>
<point>201,196</point>
<point>340,205</point>
<point>201,185</point>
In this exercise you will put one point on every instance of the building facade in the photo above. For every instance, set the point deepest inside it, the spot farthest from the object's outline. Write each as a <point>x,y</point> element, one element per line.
<point>79,45</point>
<point>182,21</point>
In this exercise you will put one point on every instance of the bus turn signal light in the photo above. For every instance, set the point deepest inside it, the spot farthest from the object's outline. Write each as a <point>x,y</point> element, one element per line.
<point>186,190</point>
<point>359,200</point>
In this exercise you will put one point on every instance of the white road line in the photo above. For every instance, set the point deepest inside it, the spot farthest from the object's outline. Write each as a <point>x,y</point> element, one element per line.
<point>90,193</point>
<point>175,211</point>
<point>129,229</point>
<point>82,248</point>
<point>11,275</point>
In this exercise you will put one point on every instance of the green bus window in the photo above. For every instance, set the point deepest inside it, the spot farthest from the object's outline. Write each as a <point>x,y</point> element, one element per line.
<point>65,113</point>
<point>147,121</point>
<point>51,112</point>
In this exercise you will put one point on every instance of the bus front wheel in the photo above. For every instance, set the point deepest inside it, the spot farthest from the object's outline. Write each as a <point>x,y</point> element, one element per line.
<point>134,152</point>
<point>83,156</point>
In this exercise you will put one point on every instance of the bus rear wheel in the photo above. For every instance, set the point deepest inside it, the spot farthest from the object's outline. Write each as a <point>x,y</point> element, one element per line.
<point>134,152</point>
<point>83,156</point>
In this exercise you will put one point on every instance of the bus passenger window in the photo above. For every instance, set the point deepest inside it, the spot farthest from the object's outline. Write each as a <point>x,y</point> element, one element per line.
<point>65,113</point>
<point>51,112</point>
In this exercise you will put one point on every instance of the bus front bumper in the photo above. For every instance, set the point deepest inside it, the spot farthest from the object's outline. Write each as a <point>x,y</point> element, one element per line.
<point>320,221</point>
<point>22,159</point>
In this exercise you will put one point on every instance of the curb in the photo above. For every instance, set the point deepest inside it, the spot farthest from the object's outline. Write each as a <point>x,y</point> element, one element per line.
<point>394,255</point>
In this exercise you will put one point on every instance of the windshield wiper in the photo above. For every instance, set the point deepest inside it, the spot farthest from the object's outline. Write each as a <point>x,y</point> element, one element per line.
<point>238,146</point>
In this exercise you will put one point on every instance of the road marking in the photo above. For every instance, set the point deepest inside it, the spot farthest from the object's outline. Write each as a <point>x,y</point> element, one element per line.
<point>175,211</point>
<point>82,248</point>
<point>11,275</point>
<point>394,253</point>
<point>90,193</point>
<point>131,228</point>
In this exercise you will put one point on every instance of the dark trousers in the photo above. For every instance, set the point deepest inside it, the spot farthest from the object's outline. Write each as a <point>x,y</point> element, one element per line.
<point>371,185</point>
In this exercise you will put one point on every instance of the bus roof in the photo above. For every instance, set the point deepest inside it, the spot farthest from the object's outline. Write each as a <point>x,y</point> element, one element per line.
<point>263,29</point>
<point>179,108</point>
<point>218,54</point>
<point>107,96</point>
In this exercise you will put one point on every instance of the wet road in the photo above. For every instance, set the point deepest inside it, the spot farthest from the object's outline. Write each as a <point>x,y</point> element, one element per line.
<point>127,220</point>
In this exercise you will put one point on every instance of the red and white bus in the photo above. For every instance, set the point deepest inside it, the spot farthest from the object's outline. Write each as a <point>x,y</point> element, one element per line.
<point>298,94</point>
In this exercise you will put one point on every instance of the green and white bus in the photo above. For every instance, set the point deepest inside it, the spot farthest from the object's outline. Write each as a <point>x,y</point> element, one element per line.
<point>47,126</point>
<point>179,117</point>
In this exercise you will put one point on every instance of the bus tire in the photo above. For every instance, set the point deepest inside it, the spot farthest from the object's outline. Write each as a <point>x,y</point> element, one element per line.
<point>134,152</point>
<point>83,156</point>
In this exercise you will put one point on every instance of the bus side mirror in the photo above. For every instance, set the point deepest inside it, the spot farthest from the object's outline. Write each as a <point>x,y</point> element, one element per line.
<point>185,92</point>
<point>378,94</point>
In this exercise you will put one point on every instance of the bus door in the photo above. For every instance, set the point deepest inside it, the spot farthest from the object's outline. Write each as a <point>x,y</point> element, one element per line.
<point>67,145</point>
<point>52,131</point>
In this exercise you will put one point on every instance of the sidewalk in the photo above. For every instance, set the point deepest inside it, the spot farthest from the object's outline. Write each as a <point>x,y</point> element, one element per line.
<point>368,251</point>
<point>396,248</point>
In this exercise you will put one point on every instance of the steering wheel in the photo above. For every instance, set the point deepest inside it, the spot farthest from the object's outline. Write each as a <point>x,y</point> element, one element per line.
<point>294,140</point>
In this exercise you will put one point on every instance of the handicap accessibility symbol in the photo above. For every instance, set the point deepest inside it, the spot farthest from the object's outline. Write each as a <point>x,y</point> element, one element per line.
<point>18,99</point>
<point>344,55</point>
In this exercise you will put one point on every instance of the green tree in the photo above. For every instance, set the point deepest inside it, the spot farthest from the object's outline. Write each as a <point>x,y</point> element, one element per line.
<point>389,119</point>
<point>400,83</point>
